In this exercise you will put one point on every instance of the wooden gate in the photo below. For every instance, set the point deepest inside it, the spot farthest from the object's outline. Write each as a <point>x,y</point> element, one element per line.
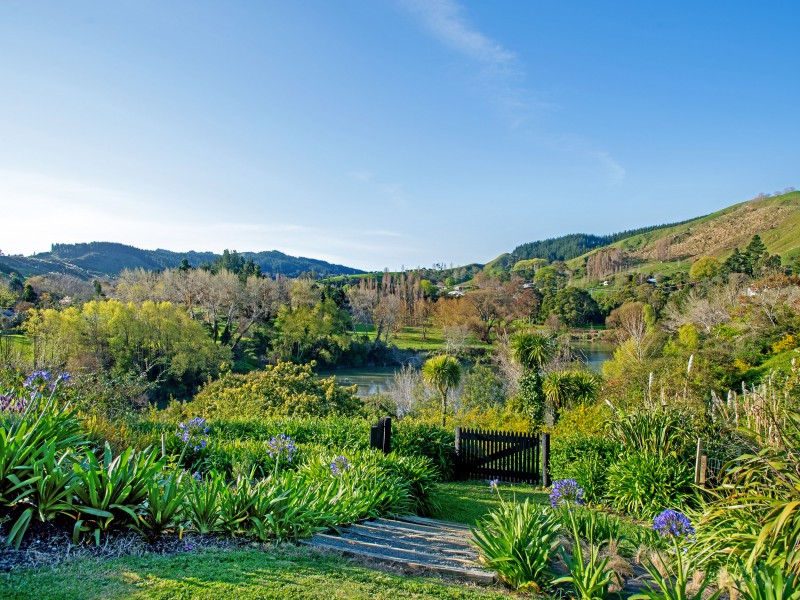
<point>507,456</point>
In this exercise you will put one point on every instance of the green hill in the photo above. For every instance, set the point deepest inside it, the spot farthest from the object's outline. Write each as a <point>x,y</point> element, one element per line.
<point>776,219</point>
<point>98,259</point>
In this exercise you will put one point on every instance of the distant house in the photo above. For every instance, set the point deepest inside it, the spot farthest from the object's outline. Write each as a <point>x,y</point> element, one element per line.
<point>527,286</point>
<point>652,280</point>
<point>455,293</point>
<point>606,283</point>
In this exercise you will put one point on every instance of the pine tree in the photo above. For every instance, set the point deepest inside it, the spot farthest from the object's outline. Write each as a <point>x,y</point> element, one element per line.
<point>754,253</point>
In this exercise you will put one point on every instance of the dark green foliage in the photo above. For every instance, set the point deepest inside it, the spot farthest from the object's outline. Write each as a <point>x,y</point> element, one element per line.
<point>426,440</point>
<point>532,399</point>
<point>576,307</point>
<point>586,459</point>
<point>642,484</point>
<point>754,260</point>
<point>28,295</point>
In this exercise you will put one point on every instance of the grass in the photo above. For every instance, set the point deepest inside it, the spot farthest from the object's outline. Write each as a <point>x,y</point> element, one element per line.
<point>777,362</point>
<point>468,501</point>
<point>274,572</point>
<point>411,338</point>
<point>13,345</point>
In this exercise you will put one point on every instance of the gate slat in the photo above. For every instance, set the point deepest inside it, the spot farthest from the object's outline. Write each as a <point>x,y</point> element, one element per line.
<point>505,455</point>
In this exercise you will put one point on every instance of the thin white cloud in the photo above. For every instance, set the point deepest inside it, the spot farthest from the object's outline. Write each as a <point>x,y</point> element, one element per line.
<point>445,19</point>
<point>616,171</point>
<point>502,73</point>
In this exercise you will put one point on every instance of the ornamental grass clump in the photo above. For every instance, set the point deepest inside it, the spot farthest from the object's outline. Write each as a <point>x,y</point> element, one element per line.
<point>676,529</point>
<point>518,542</point>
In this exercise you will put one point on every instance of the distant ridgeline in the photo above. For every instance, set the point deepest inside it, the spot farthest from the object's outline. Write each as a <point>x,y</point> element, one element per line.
<point>107,259</point>
<point>574,245</point>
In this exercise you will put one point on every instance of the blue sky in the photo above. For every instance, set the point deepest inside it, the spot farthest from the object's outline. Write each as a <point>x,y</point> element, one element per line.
<point>386,133</point>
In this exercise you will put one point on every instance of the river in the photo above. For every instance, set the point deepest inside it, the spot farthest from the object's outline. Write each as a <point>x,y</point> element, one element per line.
<point>376,380</point>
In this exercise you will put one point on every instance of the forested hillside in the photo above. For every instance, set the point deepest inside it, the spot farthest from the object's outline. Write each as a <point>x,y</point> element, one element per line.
<point>97,259</point>
<point>573,245</point>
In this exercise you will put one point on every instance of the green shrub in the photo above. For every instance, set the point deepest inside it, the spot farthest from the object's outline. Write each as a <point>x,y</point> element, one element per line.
<point>434,442</point>
<point>113,492</point>
<point>290,507</point>
<point>203,502</point>
<point>422,479</point>
<point>518,541</point>
<point>371,485</point>
<point>659,432</point>
<point>584,458</point>
<point>282,390</point>
<point>643,484</point>
<point>163,507</point>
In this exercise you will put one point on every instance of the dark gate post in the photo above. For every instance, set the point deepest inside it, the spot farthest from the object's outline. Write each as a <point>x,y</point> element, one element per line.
<point>546,459</point>
<point>457,473</point>
<point>380,435</point>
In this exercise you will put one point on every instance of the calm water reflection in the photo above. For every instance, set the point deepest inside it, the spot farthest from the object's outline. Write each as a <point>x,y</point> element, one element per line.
<point>376,380</point>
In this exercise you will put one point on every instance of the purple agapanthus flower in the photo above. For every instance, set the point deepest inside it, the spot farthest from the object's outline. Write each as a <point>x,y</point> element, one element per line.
<point>339,465</point>
<point>566,491</point>
<point>673,524</point>
<point>193,432</point>
<point>37,379</point>
<point>281,446</point>
<point>494,484</point>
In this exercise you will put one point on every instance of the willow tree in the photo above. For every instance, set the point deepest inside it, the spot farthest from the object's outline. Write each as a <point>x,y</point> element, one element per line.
<point>443,373</point>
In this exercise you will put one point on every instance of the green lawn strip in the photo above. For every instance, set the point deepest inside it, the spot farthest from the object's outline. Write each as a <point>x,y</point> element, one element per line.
<point>468,501</point>
<point>283,572</point>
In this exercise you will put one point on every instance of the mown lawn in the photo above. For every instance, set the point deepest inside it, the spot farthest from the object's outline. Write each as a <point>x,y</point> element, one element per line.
<point>467,501</point>
<point>275,572</point>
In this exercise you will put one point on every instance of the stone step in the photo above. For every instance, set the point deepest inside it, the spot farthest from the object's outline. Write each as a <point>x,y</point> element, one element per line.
<point>380,529</point>
<point>415,561</point>
<point>418,529</point>
<point>414,543</point>
<point>423,545</point>
<point>387,546</point>
<point>443,525</point>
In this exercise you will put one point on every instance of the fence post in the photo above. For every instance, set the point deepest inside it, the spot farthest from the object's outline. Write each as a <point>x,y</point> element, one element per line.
<point>703,467</point>
<point>546,460</point>
<point>458,454</point>
<point>697,458</point>
<point>163,445</point>
<point>380,435</point>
